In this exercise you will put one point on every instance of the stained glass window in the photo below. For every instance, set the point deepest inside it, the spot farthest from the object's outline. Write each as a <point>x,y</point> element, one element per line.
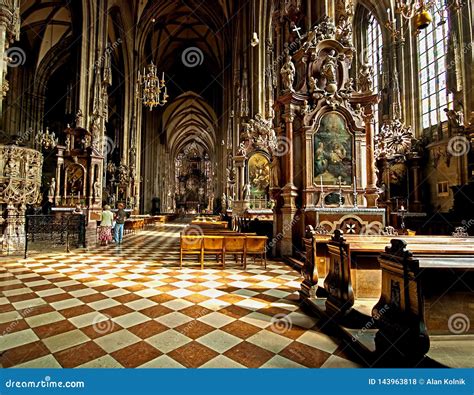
<point>374,58</point>
<point>432,49</point>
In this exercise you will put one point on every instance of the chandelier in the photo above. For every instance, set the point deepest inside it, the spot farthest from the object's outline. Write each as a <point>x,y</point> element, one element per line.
<point>46,140</point>
<point>151,90</point>
<point>416,10</point>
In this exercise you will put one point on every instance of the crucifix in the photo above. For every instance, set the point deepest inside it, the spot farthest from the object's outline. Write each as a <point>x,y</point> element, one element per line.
<point>297,30</point>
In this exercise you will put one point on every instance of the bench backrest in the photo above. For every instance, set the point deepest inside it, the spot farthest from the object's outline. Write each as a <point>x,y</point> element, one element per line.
<point>213,243</point>
<point>235,243</point>
<point>338,280</point>
<point>191,243</point>
<point>256,244</point>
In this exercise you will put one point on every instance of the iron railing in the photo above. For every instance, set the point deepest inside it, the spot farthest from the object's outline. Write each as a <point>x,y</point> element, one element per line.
<point>51,231</point>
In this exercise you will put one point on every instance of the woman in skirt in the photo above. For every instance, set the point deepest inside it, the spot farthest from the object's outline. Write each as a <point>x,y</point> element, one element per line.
<point>105,230</point>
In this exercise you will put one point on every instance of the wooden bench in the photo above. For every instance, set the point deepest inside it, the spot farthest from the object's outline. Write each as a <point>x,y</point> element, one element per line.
<point>220,245</point>
<point>364,251</point>
<point>415,281</point>
<point>191,245</point>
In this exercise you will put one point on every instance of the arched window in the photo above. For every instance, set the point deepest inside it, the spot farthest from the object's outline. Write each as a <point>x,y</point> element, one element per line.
<point>374,57</point>
<point>432,49</point>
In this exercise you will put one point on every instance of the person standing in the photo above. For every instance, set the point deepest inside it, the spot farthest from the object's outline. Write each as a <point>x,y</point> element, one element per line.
<point>105,230</point>
<point>120,217</point>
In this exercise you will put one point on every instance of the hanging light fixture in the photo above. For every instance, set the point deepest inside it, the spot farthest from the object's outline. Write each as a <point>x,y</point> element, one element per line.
<point>418,10</point>
<point>46,140</point>
<point>254,41</point>
<point>151,90</point>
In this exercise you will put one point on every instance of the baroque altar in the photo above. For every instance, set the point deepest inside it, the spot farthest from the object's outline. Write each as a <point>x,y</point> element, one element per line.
<point>329,170</point>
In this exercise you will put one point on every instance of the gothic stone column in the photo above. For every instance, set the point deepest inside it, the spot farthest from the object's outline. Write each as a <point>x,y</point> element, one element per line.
<point>289,191</point>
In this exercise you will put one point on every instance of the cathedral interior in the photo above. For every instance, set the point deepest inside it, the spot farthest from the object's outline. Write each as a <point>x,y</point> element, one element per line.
<point>297,178</point>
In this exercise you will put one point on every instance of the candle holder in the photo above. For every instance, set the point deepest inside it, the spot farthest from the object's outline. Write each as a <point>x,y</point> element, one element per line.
<point>340,192</point>
<point>402,212</point>
<point>355,194</point>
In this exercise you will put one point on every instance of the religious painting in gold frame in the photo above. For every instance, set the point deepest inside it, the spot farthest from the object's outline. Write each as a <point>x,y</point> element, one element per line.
<point>333,151</point>
<point>259,175</point>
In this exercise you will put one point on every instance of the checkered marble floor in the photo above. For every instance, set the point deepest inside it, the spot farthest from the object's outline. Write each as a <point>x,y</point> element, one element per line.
<point>131,306</point>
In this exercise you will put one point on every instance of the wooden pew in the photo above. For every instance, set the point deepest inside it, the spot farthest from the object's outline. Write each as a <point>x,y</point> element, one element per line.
<point>237,244</point>
<point>256,246</point>
<point>191,245</point>
<point>213,245</point>
<point>338,283</point>
<point>413,282</point>
<point>399,313</point>
<point>364,250</point>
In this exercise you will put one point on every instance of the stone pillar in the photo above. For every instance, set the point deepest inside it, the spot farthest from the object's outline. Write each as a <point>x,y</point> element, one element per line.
<point>371,187</point>
<point>289,191</point>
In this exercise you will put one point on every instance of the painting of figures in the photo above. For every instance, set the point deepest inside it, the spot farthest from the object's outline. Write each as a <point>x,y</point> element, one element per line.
<point>333,151</point>
<point>259,175</point>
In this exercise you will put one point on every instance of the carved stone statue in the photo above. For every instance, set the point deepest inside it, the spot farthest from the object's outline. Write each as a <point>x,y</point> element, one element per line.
<point>96,190</point>
<point>52,187</point>
<point>344,31</point>
<point>79,119</point>
<point>288,72</point>
<point>242,151</point>
<point>366,78</point>
<point>246,192</point>
<point>325,30</point>
<point>455,119</point>
<point>275,172</point>
<point>224,201</point>
<point>11,168</point>
<point>329,71</point>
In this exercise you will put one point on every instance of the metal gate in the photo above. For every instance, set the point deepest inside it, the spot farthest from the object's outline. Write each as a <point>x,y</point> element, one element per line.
<point>48,232</point>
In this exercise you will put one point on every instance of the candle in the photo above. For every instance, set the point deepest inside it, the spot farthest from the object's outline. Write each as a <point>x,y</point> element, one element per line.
<point>402,208</point>
<point>339,178</point>
<point>355,186</point>
<point>321,178</point>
